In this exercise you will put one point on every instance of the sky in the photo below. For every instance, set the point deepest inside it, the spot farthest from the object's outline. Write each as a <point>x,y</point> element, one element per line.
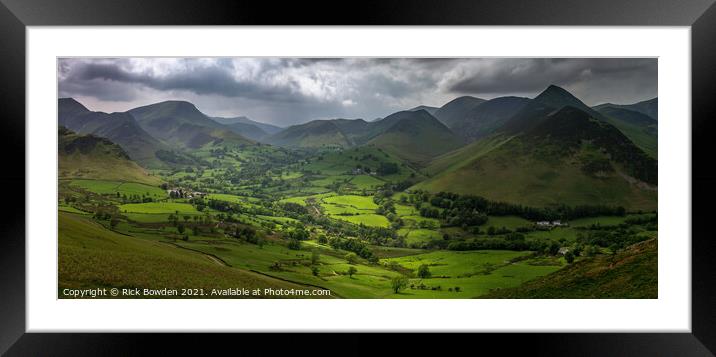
<point>287,91</point>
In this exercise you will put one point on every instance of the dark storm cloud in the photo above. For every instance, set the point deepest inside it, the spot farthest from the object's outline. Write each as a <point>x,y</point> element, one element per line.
<point>202,80</point>
<point>291,90</point>
<point>508,76</point>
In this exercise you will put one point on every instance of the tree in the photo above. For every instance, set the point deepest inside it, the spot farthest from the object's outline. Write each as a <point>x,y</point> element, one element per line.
<point>398,283</point>
<point>315,256</point>
<point>351,271</point>
<point>315,271</point>
<point>180,228</point>
<point>424,271</point>
<point>352,258</point>
<point>113,222</point>
<point>569,257</point>
<point>294,244</point>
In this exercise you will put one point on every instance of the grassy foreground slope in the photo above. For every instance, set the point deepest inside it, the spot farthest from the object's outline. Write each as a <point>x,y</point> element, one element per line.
<point>92,256</point>
<point>631,273</point>
<point>92,157</point>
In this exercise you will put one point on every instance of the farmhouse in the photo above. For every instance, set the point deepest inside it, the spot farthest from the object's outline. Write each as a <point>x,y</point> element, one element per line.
<point>550,224</point>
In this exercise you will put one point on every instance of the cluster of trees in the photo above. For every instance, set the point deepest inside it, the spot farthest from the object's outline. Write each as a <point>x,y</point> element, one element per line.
<point>246,233</point>
<point>376,235</point>
<point>467,209</point>
<point>354,245</point>
<point>511,243</point>
<point>615,239</point>
<point>387,168</point>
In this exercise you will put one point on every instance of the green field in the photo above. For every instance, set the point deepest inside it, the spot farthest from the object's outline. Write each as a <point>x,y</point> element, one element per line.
<point>158,207</point>
<point>475,273</point>
<point>123,188</point>
<point>509,222</point>
<point>91,256</point>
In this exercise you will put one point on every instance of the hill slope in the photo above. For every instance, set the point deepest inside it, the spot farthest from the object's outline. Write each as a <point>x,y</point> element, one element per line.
<point>120,128</point>
<point>250,131</point>
<point>267,128</point>
<point>631,274</point>
<point>93,157</point>
<point>647,107</point>
<point>487,117</point>
<point>319,133</point>
<point>565,158</point>
<point>416,137</point>
<point>91,256</point>
<point>456,109</point>
<point>181,124</point>
<point>426,108</point>
<point>412,135</point>
<point>640,128</point>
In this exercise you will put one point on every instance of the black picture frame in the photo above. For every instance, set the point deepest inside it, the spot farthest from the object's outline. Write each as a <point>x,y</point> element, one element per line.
<point>700,16</point>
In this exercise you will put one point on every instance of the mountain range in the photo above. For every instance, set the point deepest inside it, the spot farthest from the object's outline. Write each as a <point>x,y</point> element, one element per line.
<point>547,150</point>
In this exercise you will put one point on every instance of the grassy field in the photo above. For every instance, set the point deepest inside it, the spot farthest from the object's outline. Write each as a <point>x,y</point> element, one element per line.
<point>158,207</point>
<point>372,220</point>
<point>474,273</point>
<point>418,236</point>
<point>123,188</point>
<point>91,256</point>
<point>509,222</point>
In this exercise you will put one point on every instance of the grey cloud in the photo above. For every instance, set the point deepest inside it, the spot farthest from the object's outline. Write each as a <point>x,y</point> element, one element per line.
<point>286,91</point>
<point>509,76</point>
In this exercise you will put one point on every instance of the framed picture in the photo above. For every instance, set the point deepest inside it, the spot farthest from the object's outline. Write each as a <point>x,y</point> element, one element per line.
<point>382,171</point>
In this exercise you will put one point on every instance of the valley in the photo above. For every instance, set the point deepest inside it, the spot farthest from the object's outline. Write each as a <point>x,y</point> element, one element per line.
<point>501,198</point>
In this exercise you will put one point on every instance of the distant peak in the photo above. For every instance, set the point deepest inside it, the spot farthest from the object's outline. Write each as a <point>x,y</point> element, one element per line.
<point>552,88</point>
<point>71,103</point>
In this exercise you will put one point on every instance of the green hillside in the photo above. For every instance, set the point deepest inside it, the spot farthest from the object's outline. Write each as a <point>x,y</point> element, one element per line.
<point>315,134</point>
<point>568,158</point>
<point>417,138</point>
<point>631,273</point>
<point>267,128</point>
<point>120,128</point>
<point>93,157</point>
<point>647,107</point>
<point>456,109</point>
<point>92,256</point>
<point>487,117</point>
<point>181,124</point>
<point>640,128</point>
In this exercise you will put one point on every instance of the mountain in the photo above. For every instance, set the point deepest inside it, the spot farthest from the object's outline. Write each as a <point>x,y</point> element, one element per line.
<point>562,157</point>
<point>456,109</point>
<point>250,131</point>
<point>320,133</point>
<point>268,128</point>
<point>487,117</point>
<point>648,107</point>
<point>120,128</point>
<point>640,128</point>
<point>415,136</point>
<point>94,157</point>
<point>554,98</point>
<point>181,124</point>
<point>426,108</point>
<point>550,100</point>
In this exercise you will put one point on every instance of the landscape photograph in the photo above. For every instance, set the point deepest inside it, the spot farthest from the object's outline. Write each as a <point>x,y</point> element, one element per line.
<point>357,178</point>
